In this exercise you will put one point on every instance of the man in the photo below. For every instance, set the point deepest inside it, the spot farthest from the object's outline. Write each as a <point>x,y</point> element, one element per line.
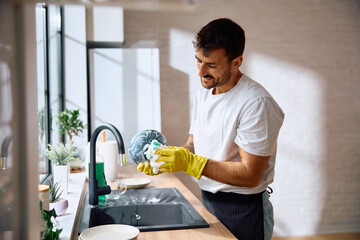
<point>232,140</point>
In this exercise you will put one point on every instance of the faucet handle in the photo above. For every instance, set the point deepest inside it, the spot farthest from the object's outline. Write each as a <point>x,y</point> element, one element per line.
<point>103,190</point>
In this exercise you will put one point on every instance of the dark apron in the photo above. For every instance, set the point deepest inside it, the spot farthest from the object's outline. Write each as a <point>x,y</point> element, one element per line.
<point>241,214</point>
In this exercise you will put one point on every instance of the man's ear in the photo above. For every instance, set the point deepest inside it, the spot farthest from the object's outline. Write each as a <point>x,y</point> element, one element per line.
<point>237,62</point>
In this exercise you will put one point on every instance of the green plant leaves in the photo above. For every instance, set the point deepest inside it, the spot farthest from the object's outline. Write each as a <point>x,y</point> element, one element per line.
<point>70,123</point>
<point>61,154</point>
<point>51,231</point>
<point>54,193</point>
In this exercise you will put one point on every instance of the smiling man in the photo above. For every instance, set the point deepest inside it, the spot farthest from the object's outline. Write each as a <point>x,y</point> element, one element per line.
<point>232,140</point>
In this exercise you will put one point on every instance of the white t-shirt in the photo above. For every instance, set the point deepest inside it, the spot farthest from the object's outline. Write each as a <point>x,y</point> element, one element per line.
<point>246,116</point>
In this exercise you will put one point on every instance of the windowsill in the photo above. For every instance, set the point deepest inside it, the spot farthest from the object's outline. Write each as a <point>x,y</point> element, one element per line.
<point>76,182</point>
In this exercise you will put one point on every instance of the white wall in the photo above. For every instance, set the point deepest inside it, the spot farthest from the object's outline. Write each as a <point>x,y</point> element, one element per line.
<point>126,88</point>
<point>107,24</point>
<point>306,53</point>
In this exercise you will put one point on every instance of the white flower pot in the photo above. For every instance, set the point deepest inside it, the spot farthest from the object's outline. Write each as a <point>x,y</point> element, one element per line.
<point>60,206</point>
<point>61,175</point>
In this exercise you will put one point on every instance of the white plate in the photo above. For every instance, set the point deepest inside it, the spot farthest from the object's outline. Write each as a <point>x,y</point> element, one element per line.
<point>135,182</point>
<point>110,231</point>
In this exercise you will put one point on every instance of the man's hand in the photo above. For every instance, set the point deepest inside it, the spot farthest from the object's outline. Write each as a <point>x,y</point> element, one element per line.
<point>181,159</point>
<point>147,169</point>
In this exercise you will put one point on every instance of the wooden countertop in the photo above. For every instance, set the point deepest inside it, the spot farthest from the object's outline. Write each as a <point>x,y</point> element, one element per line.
<point>216,230</point>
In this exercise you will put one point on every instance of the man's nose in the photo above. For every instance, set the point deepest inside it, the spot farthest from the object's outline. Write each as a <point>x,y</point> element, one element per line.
<point>202,69</point>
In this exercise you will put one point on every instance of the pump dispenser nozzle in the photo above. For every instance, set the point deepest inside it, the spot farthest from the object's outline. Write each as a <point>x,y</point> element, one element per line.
<point>103,137</point>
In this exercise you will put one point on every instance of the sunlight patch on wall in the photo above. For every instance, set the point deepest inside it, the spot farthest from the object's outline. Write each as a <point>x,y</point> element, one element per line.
<point>299,92</point>
<point>127,90</point>
<point>182,57</point>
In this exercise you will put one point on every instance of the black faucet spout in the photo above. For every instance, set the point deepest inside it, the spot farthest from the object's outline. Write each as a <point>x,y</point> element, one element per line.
<point>94,190</point>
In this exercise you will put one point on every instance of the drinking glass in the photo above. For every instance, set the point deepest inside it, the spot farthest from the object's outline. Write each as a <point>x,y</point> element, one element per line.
<point>120,190</point>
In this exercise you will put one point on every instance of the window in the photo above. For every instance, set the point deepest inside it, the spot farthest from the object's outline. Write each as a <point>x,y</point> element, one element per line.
<point>49,79</point>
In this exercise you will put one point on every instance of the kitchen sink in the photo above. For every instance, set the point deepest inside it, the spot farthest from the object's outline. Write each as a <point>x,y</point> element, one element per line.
<point>147,209</point>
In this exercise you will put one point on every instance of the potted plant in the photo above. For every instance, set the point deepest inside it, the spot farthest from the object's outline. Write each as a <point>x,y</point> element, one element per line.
<point>49,226</point>
<point>61,155</point>
<point>56,202</point>
<point>71,125</point>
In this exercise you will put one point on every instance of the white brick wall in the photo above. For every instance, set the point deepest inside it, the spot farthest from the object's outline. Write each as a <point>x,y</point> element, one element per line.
<point>306,53</point>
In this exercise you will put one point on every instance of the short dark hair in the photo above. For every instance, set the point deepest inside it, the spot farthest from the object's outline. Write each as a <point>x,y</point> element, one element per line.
<point>221,33</point>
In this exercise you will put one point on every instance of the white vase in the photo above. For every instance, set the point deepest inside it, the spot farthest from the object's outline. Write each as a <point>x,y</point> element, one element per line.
<point>61,175</point>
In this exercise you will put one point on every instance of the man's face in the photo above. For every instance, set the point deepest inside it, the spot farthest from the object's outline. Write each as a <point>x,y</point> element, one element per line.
<point>214,68</point>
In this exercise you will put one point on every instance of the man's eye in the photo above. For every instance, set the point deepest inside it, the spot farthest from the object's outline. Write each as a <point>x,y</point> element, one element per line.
<point>212,66</point>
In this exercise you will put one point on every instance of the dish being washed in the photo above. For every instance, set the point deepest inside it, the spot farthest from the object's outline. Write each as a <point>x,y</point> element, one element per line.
<point>140,143</point>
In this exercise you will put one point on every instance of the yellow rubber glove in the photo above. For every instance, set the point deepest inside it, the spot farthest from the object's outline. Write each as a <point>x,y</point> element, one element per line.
<point>181,159</point>
<point>147,169</point>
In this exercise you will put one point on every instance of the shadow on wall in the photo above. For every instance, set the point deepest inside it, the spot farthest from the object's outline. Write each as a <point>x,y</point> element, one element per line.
<point>311,70</point>
<point>174,84</point>
<point>175,106</point>
<point>133,97</point>
<point>306,55</point>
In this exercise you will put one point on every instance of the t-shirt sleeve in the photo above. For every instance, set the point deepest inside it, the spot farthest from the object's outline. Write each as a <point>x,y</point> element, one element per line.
<point>191,128</point>
<point>259,127</point>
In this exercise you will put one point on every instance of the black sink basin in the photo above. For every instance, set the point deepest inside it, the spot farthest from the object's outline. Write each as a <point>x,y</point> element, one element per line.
<point>143,215</point>
<point>146,209</point>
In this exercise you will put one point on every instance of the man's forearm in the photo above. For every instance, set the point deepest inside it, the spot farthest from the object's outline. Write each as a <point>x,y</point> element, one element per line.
<point>232,173</point>
<point>246,173</point>
<point>189,147</point>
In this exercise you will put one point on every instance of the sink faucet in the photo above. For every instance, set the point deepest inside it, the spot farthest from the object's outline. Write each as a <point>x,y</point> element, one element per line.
<point>4,152</point>
<point>94,190</point>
